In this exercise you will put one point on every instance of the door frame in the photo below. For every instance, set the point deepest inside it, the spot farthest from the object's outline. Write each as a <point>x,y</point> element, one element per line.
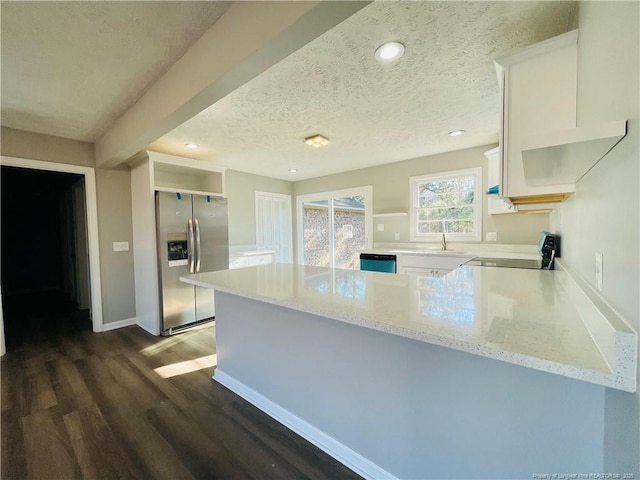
<point>346,192</point>
<point>280,196</point>
<point>91,205</point>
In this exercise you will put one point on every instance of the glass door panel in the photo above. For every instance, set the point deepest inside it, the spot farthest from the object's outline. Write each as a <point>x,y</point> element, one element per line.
<point>334,227</point>
<point>316,242</point>
<point>348,231</point>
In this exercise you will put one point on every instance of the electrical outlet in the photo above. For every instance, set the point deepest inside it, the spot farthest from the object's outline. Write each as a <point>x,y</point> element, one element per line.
<point>491,236</point>
<point>380,227</point>
<point>120,246</point>
<point>598,271</point>
<point>396,236</point>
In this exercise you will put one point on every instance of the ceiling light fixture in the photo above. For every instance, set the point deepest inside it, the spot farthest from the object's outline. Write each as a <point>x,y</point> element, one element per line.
<point>191,146</point>
<point>390,51</point>
<point>317,141</point>
<point>456,133</point>
<point>293,170</point>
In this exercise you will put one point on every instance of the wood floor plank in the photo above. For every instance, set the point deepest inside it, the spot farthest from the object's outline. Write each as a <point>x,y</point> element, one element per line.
<point>146,393</point>
<point>259,459</point>
<point>203,458</point>
<point>73,349</point>
<point>48,450</point>
<point>148,450</point>
<point>298,452</point>
<point>13,459</point>
<point>76,404</point>
<point>69,387</point>
<point>43,392</point>
<point>180,397</point>
<point>97,451</point>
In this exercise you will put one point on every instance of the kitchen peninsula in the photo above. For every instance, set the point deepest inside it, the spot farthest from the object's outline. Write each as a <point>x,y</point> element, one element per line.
<point>483,373</point>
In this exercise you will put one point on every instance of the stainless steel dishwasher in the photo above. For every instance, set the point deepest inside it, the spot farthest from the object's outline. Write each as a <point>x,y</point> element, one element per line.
<point>375,262</point>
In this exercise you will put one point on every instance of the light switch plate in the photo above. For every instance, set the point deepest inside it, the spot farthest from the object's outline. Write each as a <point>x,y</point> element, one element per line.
<point>397,236</point>
<point>120,246</point>
<point>491,236</point>
<point>380,227</point>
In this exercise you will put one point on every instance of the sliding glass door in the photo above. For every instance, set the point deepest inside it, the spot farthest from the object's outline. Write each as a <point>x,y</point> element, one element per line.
<point>334,227</point>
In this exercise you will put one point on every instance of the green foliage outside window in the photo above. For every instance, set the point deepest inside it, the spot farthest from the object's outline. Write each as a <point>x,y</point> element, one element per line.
<point>446,206</point>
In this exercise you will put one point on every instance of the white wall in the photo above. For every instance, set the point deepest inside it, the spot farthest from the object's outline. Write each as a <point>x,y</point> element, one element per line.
<point>241,188</point>
<point>115,225</point>
<point>604,213</point>
<point>391,194</point>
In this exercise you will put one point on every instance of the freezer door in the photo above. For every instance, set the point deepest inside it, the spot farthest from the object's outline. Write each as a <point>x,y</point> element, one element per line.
<point>212,246</point>
<point>175,255</point>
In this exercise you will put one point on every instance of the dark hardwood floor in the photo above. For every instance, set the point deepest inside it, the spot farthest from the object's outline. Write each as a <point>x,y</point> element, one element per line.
<point>77,404</point>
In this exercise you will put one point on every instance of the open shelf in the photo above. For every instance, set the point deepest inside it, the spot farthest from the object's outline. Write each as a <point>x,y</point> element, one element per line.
<point>391,214</point>
<point>175,174</point>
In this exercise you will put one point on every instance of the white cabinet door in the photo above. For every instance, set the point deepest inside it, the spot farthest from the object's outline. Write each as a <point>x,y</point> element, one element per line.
<point>495,204</point>
<point>436,265</point>
<point>260,259</point>
<point>428,272</point>
<point>238,262</point>
<point>539,86</point>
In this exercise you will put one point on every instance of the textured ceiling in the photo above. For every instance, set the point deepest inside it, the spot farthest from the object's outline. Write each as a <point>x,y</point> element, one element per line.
<point>373,113</point>
<point>70,69</point>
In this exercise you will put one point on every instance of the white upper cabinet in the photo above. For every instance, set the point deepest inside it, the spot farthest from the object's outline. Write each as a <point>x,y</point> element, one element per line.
<point>543,151</point>
<point>538,87</point>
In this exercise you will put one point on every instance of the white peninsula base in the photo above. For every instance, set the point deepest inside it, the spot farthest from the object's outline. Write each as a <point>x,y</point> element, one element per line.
<point>393,407</point>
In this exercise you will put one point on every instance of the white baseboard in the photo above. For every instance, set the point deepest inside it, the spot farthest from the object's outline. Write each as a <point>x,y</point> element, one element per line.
<point>324,442</point>
<point>119,324</point>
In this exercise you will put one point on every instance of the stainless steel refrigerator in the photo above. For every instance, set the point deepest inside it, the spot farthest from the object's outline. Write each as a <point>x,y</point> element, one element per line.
<point>193,236</point>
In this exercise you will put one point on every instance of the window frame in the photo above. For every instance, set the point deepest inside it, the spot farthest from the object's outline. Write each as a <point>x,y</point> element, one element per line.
<point>414,181</point>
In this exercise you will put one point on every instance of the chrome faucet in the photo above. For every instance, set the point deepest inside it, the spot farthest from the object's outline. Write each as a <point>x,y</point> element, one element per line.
<point>444,242</point>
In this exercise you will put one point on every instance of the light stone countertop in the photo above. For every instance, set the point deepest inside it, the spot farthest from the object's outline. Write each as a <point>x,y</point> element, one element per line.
<point>520,316</point>
<point>250,253</point>
<point>520,252</point>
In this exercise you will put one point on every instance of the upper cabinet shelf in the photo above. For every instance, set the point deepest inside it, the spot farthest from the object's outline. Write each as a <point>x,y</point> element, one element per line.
<point>185,175</point>
<point>390,214</point>
<point>566,156</point>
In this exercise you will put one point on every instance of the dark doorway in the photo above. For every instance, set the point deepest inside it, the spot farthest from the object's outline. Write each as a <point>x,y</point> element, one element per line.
<point>45,282</point>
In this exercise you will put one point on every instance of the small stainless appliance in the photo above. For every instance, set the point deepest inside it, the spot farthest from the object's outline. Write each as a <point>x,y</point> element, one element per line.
<point>504,263</point>
<point>549,249</point>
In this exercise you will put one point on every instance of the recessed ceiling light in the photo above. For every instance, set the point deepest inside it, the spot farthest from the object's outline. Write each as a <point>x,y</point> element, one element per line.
<point>317,141</point>
<point>390,51</point>
<point>456,133</point>
<point>192,146</point>
<point>293,170</point>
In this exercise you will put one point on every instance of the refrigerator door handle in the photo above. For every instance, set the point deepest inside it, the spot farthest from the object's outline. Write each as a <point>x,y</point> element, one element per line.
<point>198,250</point>
<point>190,246</point>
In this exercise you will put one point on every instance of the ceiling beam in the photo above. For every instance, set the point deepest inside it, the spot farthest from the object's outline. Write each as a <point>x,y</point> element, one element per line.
<point>248,39</point>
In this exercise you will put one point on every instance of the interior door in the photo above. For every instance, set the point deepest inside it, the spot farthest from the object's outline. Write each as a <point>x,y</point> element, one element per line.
<point>212,239</point>
<point>274,230</point>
